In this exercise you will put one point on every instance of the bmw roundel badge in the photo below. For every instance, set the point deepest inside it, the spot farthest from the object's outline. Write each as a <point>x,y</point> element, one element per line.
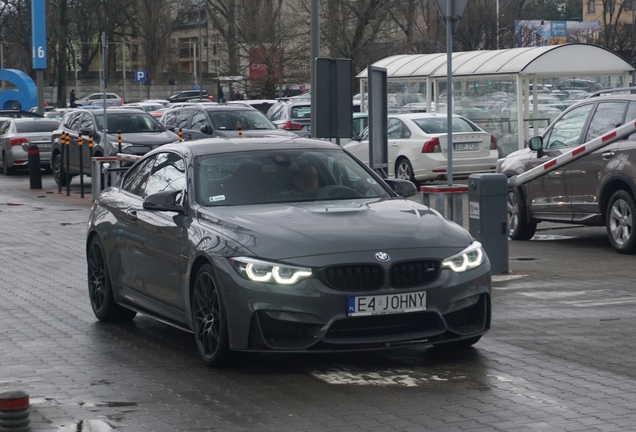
<point>382,256</point>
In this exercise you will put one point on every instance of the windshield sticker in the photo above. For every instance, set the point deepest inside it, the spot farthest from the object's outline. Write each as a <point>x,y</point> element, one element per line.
<point>217,198</point>
<point>370,180</point>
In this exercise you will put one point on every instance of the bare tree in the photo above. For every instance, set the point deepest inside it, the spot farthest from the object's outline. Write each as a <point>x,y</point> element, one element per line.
<point>223,15</point>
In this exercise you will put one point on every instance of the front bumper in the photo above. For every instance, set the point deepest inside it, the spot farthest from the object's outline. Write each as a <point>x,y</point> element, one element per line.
<point>310,316</point>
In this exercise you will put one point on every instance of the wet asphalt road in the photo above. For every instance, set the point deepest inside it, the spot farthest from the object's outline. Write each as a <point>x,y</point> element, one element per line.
<point>560,356</point>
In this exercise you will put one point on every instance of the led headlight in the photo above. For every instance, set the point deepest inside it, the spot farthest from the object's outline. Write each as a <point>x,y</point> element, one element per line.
<point>469,258</point>
<point>263,271</point>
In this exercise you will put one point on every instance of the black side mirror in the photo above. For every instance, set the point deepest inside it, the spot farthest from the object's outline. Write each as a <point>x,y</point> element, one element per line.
<point>165,201</point>
<point>536,144</point>
<point>403,188</point>
<point>206,129</point>
<point>86,131</point>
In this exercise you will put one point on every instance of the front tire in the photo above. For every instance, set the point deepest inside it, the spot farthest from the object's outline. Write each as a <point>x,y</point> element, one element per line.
<point>100,290</point>
<point>209,319</point>
<point>518,226</point>
<point>59,174</point>
<point>620,222</point>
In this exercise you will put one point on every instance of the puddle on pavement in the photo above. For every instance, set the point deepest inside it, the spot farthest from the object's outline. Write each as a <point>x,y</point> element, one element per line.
<point>544,237</point>
<point>87,426</point>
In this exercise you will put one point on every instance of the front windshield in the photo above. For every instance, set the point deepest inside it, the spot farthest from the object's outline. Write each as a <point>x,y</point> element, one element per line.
<point>130,122</point>
<point>279,176</point>
<point>238,119</point>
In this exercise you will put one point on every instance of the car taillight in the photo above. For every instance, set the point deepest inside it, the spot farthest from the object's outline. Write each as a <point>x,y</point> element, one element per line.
<point>292,126</point>
<point>17,141</point>
<point>432,146</point>
<point>122,101</point>
<point>493,142</point>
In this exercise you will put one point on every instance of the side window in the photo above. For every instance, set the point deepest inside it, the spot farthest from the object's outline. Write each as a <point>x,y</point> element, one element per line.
<point>394,129</point>
<point>87,122</point>
<point>136,178</point>
<point>364,135</point>
<point>4,128</point>
<point>631,111</point>
<point>181,120</point>
<point>566,132</point>
<point>74,125</point>
<point>199,119</point>
<point>608,115</point>
<point>68,120</point>
<point>406,132</point>
<point>170,119</point>
<point>168,173</point>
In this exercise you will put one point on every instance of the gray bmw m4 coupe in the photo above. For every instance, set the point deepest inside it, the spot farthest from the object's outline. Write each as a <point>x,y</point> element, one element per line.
<point>282,245</point>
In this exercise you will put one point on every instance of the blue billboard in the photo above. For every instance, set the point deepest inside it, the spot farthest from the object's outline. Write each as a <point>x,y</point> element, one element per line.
<point>38,33</point>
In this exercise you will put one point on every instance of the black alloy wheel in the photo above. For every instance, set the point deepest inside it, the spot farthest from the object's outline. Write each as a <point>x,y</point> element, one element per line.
<point>59,175</point>
<point>209,320</point>
<point>100,290</point>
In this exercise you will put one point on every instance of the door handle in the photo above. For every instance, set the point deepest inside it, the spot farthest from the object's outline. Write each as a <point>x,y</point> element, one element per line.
<point>608,155</point>
<point>132,214</point>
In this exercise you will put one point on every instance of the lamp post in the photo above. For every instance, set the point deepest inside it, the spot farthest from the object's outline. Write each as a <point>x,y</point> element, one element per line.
<point>200,53</point>
<point>498,24</point>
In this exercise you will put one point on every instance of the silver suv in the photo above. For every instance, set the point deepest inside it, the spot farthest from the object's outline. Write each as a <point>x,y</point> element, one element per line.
<point>293,115</point>
<point>597,189</point>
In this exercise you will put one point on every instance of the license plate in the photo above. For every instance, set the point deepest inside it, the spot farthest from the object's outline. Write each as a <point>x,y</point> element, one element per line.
<point>387,304</point>
<point>465,146</point>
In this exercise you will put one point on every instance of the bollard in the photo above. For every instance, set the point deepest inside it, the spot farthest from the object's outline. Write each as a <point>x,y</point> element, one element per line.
<point>35,170</point>
<point>180,135</point>
<point>14,411</point>
<point>119,141</point>
<point>80,140</point>
<point>240,131</point>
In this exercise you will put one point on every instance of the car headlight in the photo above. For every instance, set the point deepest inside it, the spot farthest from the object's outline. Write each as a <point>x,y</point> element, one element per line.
<point>263,271</point>
<point>469,258</point>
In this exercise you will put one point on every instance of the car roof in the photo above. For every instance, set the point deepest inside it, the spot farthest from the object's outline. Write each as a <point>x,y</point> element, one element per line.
<point>230,145</point>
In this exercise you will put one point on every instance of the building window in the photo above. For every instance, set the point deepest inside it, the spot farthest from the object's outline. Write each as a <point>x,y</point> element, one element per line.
<point>591,6</point>
<point>628,5</point>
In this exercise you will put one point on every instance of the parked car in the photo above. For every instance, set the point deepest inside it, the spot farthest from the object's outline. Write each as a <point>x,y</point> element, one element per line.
<point>164,102</point>
<point>16,113</point>
<point>263,105</point>
<point>219,120</point>
<point>229,240</point>
<point>580,84</point>
<point>140,133</point>
<point>418,147</point>
<point>16,135</point>
<point>186,95</point>
<point>112,99</point>
<point>597,189</point>
<point>144,106</point>
<point>293,115</point>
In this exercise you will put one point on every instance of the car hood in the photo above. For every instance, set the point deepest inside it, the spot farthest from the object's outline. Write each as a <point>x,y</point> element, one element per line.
<point>146,138</point>
<point>284,231</point>
<point>253,133</point>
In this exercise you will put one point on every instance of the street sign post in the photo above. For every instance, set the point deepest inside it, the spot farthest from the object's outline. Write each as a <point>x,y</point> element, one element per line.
<point>38,34</point>
<point>451,11</point>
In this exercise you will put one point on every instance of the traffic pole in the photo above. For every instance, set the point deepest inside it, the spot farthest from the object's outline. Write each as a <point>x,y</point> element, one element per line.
<point>180,135</point>
<point>81,164</point>
<point>59,174</point>
<point>68,164</point>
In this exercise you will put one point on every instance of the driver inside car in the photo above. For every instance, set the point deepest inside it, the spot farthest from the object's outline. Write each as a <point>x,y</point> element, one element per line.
<point>305,180</point>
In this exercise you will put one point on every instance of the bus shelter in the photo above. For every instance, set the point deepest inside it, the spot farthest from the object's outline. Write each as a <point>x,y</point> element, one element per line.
<point>502,89</point>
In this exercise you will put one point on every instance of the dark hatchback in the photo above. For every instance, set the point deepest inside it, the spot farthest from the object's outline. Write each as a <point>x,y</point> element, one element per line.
<point>222,238</point>
<point>140,133</point>
<point>220,120</point>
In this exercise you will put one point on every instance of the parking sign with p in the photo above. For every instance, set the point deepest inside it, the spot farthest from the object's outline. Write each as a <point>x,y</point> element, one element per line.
<point>140,76</point>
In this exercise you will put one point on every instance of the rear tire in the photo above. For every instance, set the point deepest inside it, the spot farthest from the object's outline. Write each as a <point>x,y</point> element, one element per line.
<point>620,219</point>
<point>100,289</point>
<point>518,226</point>
<point>5,165</point>
<point>404,170</point>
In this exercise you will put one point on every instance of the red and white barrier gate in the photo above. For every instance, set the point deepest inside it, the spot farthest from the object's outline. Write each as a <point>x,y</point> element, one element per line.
<point>574,154</point>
